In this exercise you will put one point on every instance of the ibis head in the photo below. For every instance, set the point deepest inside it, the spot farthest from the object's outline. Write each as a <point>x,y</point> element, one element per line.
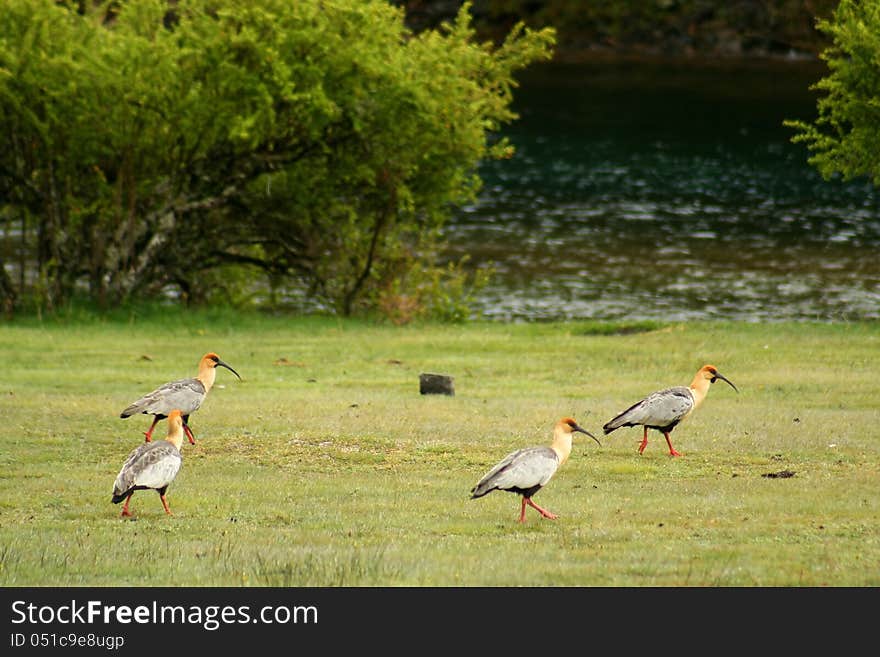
<point>711,373</point>
<point>213,360</point>
<point>568,424</point>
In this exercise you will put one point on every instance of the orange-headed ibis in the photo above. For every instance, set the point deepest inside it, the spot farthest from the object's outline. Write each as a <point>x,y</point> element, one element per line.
<point>664,409</point>
<point>151,465</point>
<point>184,394</point>
<point>526,471</point>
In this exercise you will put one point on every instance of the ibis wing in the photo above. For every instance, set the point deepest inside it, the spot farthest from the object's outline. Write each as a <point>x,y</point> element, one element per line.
<point>524,468</point>
<point>152,465</point>
<point>124,480</point>
<point>659,409</point>
<point>185,394</point>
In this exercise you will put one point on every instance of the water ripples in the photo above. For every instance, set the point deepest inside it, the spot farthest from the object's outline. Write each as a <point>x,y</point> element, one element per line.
<point>733,225</point>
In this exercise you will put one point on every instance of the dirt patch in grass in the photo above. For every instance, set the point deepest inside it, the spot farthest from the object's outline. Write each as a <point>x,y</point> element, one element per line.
<point>782,474</point>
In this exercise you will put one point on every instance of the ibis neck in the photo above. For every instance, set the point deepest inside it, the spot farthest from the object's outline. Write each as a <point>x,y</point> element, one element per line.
<point>561,445</point>
<point>700,388</point>
<point>175,437</point>
<point>207,375</point>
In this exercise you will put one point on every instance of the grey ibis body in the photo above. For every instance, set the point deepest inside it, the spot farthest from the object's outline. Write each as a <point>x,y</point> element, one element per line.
<point>526,471</point>
<point>665,409</point>
<point>151,465</point>
<point>186,395</point>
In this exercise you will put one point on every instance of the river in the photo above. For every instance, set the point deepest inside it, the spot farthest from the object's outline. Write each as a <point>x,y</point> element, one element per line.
<point>669,191</point>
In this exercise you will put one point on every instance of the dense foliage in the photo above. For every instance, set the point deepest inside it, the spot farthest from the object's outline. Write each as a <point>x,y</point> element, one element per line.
<point>149,144</point>
<point>845,137</point>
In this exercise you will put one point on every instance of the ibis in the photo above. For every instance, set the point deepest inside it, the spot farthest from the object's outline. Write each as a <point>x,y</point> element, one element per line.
<point>151,465</point>
<point>664,409</point>
<point>526,471</point>
<point>184,394</point>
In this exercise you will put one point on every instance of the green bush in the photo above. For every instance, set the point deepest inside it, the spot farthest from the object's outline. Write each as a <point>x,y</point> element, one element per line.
<point>150,144</point>
<point>845,137</point>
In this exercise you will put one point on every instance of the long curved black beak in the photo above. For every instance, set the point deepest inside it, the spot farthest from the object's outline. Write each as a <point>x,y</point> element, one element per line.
<point>220,362</point>
<point>582,430</point>
<point>724,378</point>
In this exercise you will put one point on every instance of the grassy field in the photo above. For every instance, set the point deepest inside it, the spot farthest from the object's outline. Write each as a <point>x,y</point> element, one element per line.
<point>326,467</point>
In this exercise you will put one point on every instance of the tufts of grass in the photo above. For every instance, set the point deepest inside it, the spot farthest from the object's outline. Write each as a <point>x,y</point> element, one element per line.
<point>350,568</point>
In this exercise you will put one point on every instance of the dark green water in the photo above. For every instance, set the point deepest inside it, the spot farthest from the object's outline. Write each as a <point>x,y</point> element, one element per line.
<point>669,191</point>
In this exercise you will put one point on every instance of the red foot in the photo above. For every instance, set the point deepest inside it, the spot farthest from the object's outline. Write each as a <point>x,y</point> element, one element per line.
<point>644,441</point>
<point>125,512</point>
<point>149,432</point>
<point>672,451</point>
<point>165,504</point>
<point>189,434</point>
<point>544,512</point>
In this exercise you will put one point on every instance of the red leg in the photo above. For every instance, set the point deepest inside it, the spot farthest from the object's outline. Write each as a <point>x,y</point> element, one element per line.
<point>165,504</point>
<point>543,512</point>
<point>125,512</point>
<point>149,433</point>
<point>522,514</point>
<point>644,441</point>
<point>189,434</point>
<point>672,451</point>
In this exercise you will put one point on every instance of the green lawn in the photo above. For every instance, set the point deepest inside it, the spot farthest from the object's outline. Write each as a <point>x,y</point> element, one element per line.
<point>326,467</point>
